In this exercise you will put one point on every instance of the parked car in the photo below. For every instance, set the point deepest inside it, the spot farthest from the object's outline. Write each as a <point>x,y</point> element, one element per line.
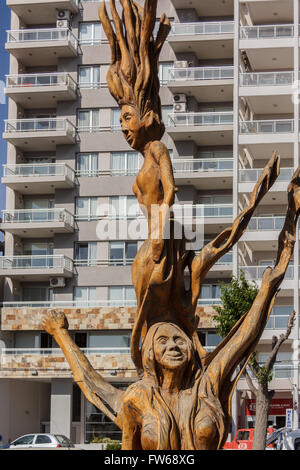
<point>285,439</point>
<point>39,441</point>
<point>243,440</point>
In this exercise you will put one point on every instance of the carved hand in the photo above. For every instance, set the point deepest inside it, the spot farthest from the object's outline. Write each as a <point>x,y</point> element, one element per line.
<point>55,321</point>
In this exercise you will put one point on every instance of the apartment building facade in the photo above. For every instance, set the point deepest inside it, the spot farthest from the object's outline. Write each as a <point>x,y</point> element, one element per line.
<point>228,76</point>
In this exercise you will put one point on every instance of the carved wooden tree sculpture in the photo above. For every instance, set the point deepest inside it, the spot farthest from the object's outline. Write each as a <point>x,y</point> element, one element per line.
<point>182,399</point>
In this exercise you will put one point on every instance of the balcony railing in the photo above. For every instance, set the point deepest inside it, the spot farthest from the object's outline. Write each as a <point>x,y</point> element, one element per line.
<point>40,80</point>
<point>104,262</point>
<point>266,78</point>
<point>279,317</point>
<point>40,125</point>
<point>200,73</point>
<point>256,272</point>
<point>58,352</point>
<point>203,210</point>
<point>108,172</point>
<point>41,35</point>
<point>29,170</point>
<point>36,262</point>
<point>191,165</point>
<point>267,31</point>
<point>200,119</point>
<point>280,126</point>
<point>218,27</point>
<point>38,215</point>
<point>252,174</point>
<point>266,223</point>
<point>88,303</point>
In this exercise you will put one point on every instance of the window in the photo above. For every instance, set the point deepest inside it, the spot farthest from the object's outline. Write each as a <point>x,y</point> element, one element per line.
<point>212,339</point>
<point>24,440</point>
<point>279,317</point>
<point>124,206</point>
<point>84,295</point>
<point>42,439</point>
<point>88,120</point>
<point>210,291</point>
<point>166,110</point>
<point>124,163</point>
<point>90,33</point>
<point>86,208</point>
<point>283,367</point>
<point>89,76</point>
<point>163,72</point>
<point>115,119</point>
<point>39,255</point>
<point>86,254</point>
<point>37,294</point>
<point>108,339</point>
<point>122,253</point>
<point>121,295</point>
<point>87,164</point>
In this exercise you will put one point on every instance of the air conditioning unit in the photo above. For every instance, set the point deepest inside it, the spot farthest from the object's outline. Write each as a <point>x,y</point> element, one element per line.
<point>180,98</point>
<point>57,282</point>
<point>179,108</point>
<point>181,64</point>
<point>63,15</point>
<point>62,24</point>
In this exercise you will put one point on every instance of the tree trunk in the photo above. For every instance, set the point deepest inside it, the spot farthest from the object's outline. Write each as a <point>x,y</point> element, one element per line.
<point>263,398</point>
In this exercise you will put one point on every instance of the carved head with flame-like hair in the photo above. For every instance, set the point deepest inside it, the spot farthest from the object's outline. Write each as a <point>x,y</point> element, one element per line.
<point>132,77</point>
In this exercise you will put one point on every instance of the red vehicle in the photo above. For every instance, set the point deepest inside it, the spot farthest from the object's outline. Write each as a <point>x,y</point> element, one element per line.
<point>243,440</point>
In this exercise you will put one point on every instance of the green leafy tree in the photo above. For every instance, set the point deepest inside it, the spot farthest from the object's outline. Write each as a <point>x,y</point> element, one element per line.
<point>236,299</point>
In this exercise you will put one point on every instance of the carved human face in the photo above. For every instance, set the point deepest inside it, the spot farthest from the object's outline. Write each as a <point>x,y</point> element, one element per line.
<point>131,127</point>
<point>171,348</point>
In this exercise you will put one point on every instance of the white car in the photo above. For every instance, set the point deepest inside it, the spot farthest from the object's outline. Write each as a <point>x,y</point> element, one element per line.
<point>39,441</point>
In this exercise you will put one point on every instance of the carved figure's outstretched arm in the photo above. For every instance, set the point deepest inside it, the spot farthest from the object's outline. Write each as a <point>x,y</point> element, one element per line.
<point>94,387</point>
<point>211,252</point>
<point>244,336</point>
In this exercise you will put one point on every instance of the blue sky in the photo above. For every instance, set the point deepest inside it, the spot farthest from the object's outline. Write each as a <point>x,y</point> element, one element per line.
<point>4,26</point>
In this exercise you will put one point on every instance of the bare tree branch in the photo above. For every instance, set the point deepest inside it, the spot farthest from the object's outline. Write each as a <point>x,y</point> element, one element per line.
<point>283,337</point>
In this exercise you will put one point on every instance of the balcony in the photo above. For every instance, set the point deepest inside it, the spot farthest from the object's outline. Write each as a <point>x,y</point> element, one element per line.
<point>266,79</point>
<point>36,134</point>
<point>36,267</point>
<point>104,262</point>
<point>274,223</point>
<point>267,227</point>
<point>34,12</point>
<point>208,40</point>
<point>51,362</point>
<point>207,9</point>
<point>255,273</point>
<point>28,223</point>
<point>87,315</point>
<point>216,216</point>
<point>200,171</point>
<point>38,178</point>
<point>249,176</point>
<point>38,47</point>
<point>40,90</point>
<point>256,40</point>
<point>266,131</point>
<point>206,84</point>
<point>277,31</point>
<point>205,128</point>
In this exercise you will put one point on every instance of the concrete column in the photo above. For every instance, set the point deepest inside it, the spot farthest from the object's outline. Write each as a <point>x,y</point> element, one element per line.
<point>295,332</point>
<point>61,407</point>
<point>235,270</point>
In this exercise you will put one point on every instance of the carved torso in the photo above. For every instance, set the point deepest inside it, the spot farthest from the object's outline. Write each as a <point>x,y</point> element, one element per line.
<point>137,408</point>
<point>147,187</point>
